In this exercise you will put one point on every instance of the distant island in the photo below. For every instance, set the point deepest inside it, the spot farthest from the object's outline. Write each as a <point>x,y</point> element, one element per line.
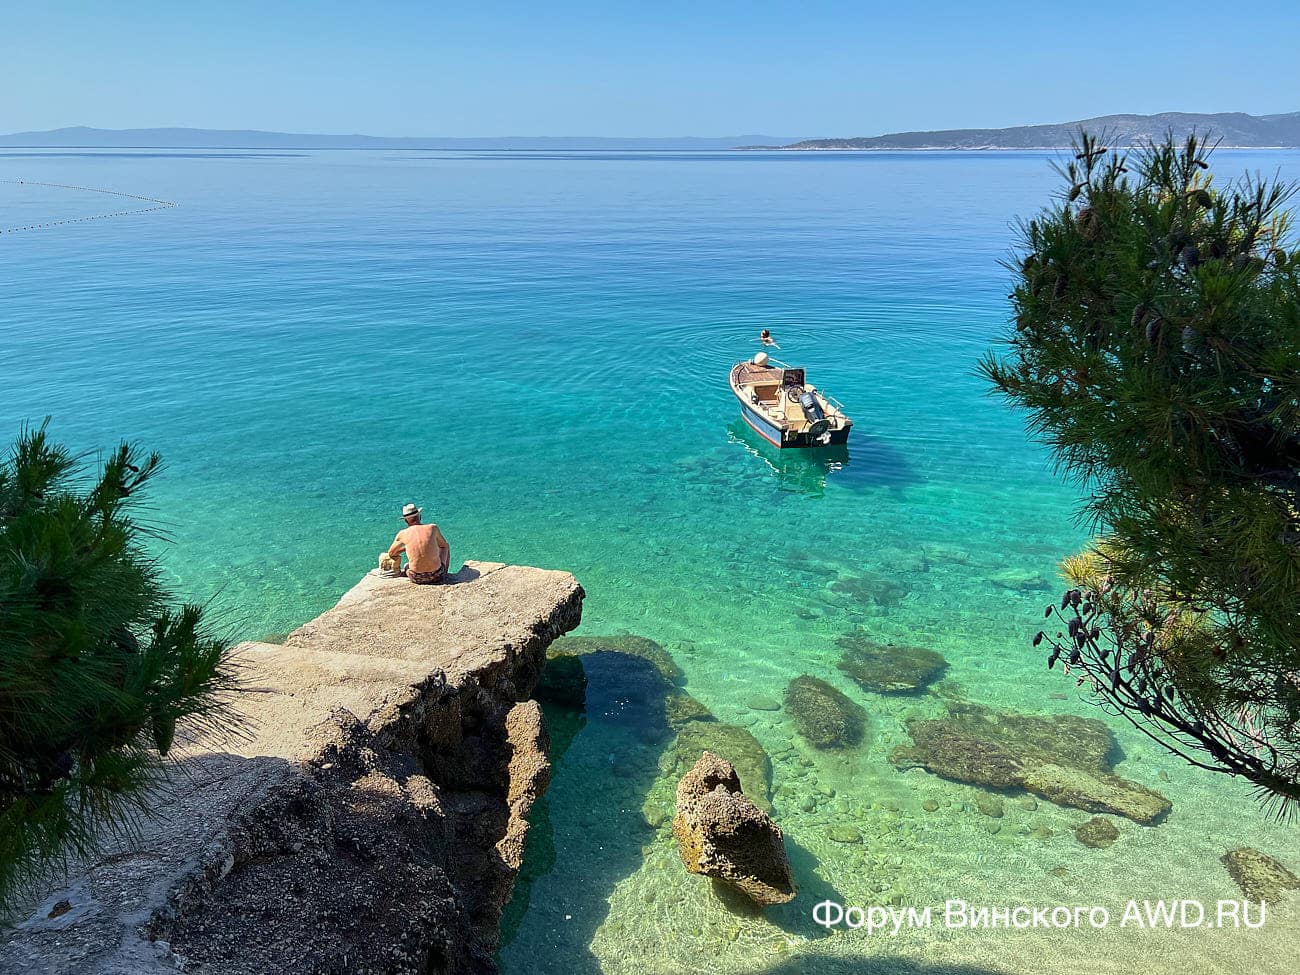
<point>1234,129</point>
<point>81,137</point>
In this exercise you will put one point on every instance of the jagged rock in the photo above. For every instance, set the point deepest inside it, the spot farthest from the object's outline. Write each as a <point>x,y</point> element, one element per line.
<point>636,646</point>
<point>734,744</point>
<point>1097,833</point>
<point>1062,758</point>
<point>887,669</point>
<point>823,715</point>
<point>722,834</point>
<point>1260,877</point>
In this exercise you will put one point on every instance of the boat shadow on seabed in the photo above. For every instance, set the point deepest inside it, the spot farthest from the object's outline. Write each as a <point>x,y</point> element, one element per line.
<point>864,463</point>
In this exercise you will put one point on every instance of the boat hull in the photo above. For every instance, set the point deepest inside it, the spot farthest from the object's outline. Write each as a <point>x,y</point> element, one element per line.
<point>787,439</point>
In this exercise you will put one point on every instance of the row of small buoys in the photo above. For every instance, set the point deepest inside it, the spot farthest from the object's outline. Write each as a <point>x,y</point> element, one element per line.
<point>159,205</point>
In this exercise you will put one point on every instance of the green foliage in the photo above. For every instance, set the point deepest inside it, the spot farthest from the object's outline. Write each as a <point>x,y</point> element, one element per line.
<point>1157,350</point>
<point>97,668</point>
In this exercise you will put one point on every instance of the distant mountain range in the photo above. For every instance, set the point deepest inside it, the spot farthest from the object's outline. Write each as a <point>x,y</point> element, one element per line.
<point>81,137</point>
<point>1233,128</point>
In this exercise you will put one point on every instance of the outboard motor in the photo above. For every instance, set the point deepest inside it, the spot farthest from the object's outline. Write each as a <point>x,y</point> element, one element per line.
<point>811,408</point>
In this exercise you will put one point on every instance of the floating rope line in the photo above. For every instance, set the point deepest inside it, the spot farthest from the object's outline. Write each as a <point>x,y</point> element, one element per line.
<point>158,205</point>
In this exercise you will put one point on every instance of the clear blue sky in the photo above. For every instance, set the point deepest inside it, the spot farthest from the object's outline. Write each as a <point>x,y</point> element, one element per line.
<point>648,68</point>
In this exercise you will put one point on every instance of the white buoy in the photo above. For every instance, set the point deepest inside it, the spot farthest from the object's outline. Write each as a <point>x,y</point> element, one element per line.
<point>760,359</point>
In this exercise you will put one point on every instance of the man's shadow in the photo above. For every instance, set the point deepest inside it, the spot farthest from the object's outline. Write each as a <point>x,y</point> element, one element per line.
<point>466,574</point>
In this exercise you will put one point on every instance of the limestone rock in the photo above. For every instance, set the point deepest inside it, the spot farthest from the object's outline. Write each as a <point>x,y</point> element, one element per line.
<point>372,816</point>
<point>722,834</point>
<point>822,714</point>
<point>887,669</point>
<point>1260,877</point>
<point>1062,758</point>
<point>737,746</point>
<point>1097,833</point>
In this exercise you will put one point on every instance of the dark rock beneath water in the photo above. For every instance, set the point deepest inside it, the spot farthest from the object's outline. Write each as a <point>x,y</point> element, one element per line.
<point>1062,758</point>
<point>734,744</point>
<point>563,682</point>
<point>1260,877</point>
<point>721,833</point>
<point>888,669</point>
<point>636,646</point>
<point>822,714</point>
<point>680,709</point>
<point>870,589</point>
<point>1021,580</point>
<point>1097,833</point>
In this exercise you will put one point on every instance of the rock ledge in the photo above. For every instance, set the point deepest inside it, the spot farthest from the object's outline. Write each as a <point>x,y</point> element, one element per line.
<point>371,818</point>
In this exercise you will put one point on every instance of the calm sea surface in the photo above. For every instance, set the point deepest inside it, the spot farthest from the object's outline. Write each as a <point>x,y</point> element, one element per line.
<point>535,346</point>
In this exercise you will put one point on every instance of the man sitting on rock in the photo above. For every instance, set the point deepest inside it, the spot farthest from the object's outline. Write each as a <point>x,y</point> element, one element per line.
<point>427,553</point>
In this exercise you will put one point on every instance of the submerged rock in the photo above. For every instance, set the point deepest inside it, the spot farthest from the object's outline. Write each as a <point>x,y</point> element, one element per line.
<point>681,709</point>
<point>735,745</point>
<point>888,669</point>
<point>1062,758</point>
<point>721,833</point>
<point>563,682</point>
<point>1020,580</point>
<point>1260,877</point>
<point>870,589</point>
<point>822,714</point>
<point>990,805</point>
<point>636,646</point>
<point>1097,833</point>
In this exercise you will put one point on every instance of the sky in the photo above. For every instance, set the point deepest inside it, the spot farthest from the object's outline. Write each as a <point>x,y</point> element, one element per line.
<point>649,68</point>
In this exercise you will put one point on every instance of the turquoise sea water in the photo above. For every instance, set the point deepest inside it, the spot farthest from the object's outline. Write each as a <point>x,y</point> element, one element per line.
<point>535,346</point>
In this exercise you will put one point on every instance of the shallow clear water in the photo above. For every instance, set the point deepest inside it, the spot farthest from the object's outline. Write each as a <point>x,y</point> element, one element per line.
<point>534,346</point>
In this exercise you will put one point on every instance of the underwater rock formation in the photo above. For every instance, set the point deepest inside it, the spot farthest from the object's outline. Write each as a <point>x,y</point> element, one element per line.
<point>563,682</point>
<point>735,745</point>
<point>634,646</point>
<point>870,589</point>
<point>1062,758</point>
<point>1260,877</point>
<point>371,817</point>
<point>887,669</point>
<point>822,714</point>
<point>1097,833</point>
<point>1020,580</point>
<point>722,834</point>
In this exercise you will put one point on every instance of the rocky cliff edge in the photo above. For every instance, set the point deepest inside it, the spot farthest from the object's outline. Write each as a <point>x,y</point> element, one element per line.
<point>370,817</point>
